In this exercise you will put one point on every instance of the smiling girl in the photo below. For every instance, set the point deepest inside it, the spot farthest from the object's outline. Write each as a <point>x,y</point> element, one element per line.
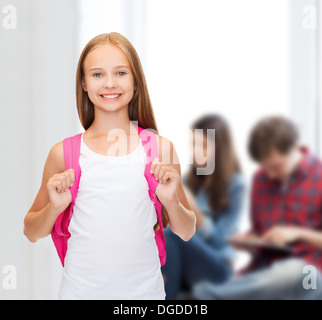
<point>112,252</point>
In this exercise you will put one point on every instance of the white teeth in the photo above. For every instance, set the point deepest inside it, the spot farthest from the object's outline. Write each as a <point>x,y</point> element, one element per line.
<point>111,96</point>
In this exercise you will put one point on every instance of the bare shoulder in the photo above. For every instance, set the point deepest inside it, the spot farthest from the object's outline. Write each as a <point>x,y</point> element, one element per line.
<point>167,152</point>
<point>55,158</point>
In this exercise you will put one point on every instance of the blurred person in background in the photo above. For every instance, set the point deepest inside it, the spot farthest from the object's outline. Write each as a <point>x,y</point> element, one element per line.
<point>286,209</point>
<point>216,199</point>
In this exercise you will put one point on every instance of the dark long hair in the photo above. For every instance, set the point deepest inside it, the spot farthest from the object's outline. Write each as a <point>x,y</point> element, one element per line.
<point>226,163</point>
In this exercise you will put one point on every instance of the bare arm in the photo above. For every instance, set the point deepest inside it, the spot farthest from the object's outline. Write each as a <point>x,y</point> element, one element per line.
<point>182,219</point>
<point>38,224</point>
<point>287,234</point>
<point>194,207</point>
<point>51,199</point>
<point>312,237</point>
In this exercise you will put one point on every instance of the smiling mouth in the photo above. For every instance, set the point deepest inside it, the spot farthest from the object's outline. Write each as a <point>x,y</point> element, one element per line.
<point>110,96</point>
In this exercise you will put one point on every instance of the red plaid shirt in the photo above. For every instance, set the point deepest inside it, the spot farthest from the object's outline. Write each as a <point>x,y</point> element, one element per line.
<point>300,204</point>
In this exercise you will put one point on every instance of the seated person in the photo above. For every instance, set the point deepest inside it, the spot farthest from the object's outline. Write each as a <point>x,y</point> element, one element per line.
<point>216,198</point>
<point>286,208</point>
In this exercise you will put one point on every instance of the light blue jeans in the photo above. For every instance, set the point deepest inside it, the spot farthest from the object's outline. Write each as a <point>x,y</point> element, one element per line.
<point>283,280</point>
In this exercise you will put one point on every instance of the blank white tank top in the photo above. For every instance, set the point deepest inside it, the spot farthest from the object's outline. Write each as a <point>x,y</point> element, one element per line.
<point>112,253</point>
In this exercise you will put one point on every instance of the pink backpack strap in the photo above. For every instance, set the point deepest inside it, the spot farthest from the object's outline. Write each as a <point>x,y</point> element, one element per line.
<point>71,156</point>
<point>60,233</point>
<point>150,145</point>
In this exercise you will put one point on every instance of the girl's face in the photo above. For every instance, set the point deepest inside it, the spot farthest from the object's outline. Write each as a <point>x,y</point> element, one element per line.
<point>108,78</point>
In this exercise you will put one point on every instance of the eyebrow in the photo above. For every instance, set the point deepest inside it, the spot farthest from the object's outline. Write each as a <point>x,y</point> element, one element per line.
<point>120,66</point>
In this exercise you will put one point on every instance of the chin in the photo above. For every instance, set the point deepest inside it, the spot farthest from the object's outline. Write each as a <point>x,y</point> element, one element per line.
<point>108,106</point>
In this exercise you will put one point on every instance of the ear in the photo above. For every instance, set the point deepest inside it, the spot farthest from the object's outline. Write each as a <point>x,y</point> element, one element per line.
<point>84,85</point>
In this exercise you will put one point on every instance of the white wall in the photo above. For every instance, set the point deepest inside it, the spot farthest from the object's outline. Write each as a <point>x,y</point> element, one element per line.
<point>228,57</point>
<point>38,64</point>
<point>304,70</point>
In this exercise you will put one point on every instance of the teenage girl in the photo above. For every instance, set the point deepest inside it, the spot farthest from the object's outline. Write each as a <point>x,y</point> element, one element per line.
<point>112,253</point>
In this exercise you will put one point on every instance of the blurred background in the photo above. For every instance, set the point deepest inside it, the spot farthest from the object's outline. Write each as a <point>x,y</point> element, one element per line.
<point>241,59</point>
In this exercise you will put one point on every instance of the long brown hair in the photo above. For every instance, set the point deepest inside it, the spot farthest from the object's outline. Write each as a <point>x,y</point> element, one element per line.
<point>226,163</point>
<point>140,107</point>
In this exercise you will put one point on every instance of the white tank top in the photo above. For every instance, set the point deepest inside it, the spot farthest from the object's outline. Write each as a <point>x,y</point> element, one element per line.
<point>112,253</point>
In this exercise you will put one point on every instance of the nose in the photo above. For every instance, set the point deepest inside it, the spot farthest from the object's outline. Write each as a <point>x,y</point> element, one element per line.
<point>110,82</point>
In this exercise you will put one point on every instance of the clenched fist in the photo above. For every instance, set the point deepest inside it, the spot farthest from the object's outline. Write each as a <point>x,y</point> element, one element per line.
<point>169,180</point>
<point>58,189</point>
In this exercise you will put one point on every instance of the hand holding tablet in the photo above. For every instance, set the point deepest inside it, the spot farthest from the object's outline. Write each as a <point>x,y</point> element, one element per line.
<point>250,241</point>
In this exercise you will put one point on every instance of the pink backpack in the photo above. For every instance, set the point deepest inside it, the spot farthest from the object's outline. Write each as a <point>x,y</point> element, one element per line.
<point>71,145</point>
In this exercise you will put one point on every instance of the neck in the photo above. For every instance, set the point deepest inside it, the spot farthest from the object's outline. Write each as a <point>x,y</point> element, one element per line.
<point>110,122</point>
